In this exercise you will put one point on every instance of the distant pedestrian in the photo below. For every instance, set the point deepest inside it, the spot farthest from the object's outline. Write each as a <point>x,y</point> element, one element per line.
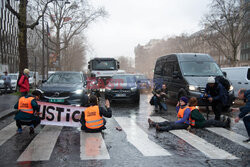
<point>92,119</point>
<point>244,94</point>
<point>7,82</point>
<point>28,112</point>
<point>23,83</point>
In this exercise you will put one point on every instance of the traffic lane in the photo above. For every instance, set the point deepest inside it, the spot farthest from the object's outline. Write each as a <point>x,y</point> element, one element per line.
<point>7,101</point>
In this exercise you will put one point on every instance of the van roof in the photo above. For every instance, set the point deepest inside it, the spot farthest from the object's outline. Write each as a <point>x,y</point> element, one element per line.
<point>189,57</point>
<point>231,68</point>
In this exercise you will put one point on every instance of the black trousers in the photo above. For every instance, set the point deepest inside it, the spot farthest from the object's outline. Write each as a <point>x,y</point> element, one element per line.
<point>19,123</point>
<point>217,107</point>
<point>214,123</point>
<point>167,126</point>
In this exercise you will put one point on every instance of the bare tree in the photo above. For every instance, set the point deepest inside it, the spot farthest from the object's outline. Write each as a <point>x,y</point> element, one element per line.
<point>21,16</point>
<point>227,23</point>
<point>69,21</point>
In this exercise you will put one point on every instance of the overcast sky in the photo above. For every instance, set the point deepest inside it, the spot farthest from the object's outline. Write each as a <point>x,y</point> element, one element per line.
<point>133,22</point>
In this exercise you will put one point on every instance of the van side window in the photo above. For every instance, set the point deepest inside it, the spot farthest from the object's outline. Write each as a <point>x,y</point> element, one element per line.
<point>158,68</point>
<point>248,74</point>
<point>168,69</point>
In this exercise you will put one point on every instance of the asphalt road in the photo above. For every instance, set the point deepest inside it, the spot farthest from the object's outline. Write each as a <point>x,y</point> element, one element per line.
<point>136,145</point>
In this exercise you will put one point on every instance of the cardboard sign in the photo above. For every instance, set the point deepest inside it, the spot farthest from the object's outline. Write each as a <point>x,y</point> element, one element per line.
<point>60,115</point>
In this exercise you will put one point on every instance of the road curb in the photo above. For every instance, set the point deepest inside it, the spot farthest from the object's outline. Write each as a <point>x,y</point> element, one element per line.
<point>6,113</point>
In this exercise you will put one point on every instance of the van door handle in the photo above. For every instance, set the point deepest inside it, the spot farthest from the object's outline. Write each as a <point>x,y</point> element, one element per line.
<point>239,82</point>
<point>246,83</point>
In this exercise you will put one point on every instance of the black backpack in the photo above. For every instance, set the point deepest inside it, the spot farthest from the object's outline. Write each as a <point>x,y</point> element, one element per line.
<point>223,81</point>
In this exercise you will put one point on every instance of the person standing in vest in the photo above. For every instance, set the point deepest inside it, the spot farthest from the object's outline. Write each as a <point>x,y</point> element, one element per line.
<point>197,120</point>
<point>92,119</point>
<point>183,114</point>
<point>7,82</point>
<point>23,82</point>
<point>28,112</point>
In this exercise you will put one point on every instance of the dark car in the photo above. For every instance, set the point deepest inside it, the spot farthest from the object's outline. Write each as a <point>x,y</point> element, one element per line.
<point>123,87</point>
<point>65,88</point>
<point>143,82</point>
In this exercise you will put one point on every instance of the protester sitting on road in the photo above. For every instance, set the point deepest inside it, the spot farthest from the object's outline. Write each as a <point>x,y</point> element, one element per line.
<point>7,82</point>
<point>28,112</point>
<point>198,121</point>
<point>23,82</point>
<point>160,97</point>
<point>92,119</point>
<point>216,95</point>
<point>244,94</point>
<point>183,114</point>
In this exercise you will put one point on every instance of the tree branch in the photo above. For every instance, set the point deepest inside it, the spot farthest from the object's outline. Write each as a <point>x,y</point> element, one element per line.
<point>8,6</point>
<point>32,26</point>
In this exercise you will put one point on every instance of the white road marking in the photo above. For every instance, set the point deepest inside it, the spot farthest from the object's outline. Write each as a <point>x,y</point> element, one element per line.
<point>206,148</point>
<point>92,146</point>
<point>237,138</point>
<point>42,145</point>
<point>139,138</point>
<point>7,132</point>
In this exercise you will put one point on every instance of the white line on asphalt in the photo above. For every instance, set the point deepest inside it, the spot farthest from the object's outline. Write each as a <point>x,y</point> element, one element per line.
<point>139,138</point>
<point>237,138</point>
<point>7,132</point>
<point>208,149</point>
<point>42,145</point>
<point>92,146</point>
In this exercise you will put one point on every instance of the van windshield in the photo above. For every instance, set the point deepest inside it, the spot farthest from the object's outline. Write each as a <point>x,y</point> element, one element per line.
<point>200,68</point>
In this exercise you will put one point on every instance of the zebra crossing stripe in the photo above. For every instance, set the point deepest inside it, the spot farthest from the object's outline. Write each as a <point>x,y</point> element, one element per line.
<point>92,146</point>
<point>206,148</point>
<point>42,145</point>
<point>237,138</point>
<point>139,138</point>
<point>7,132</point>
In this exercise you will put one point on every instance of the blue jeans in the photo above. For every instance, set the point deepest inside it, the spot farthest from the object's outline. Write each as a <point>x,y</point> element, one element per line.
<point>246,121</point>
<point>161,104</point>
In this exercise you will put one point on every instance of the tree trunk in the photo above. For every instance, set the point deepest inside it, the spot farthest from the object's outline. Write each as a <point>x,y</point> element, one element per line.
<point>235,56</point>
<point>58,48</point>
<point>22,37</point>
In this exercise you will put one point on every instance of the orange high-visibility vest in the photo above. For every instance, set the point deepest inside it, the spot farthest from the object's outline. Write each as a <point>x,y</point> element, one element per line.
<point>181,113</point>
<point>24,105</point>
<point>191,121</point>
<point>93,118</point>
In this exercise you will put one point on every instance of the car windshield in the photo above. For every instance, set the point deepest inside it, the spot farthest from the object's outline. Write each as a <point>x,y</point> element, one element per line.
<point>65,78</point>
<point>124,78</point>
<point>104,65</point>
<point>13,77</point>
<point>140,77</point>
<point>200,68</point>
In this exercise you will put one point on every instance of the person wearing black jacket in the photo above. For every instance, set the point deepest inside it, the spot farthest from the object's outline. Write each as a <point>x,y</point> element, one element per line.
<point>160,98</point>
<point>92,119</point>
<point>217,95</point>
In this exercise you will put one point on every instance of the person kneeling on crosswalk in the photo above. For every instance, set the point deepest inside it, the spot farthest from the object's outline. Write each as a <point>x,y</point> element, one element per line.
<point>183,113</point>
<point>92,119</point>
<point>197,120</point>
<point>28,111</point>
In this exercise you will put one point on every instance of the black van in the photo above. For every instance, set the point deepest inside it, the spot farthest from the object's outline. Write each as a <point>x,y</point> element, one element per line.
<point>186,74</point>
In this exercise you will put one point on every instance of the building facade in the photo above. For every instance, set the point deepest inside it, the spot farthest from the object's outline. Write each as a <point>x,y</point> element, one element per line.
<point>8,37</point>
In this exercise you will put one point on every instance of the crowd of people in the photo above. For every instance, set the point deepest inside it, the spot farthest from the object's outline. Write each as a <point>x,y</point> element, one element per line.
<point>188,114</point>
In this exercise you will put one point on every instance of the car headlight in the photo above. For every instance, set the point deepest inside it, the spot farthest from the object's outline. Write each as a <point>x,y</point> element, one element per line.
<point>193,88</point>
<point>79,91</point>
<point>133,89</point>
<point>231,88</point>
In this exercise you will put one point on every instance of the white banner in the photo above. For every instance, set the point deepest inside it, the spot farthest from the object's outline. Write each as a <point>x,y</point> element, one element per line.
<point>60,115</point>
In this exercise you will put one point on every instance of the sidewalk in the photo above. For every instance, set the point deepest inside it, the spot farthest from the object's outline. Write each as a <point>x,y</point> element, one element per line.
<point>7,103</point>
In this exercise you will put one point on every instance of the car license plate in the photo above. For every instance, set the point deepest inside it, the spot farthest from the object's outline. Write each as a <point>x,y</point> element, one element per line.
<point>120,95</point>
<point>56,100</point>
